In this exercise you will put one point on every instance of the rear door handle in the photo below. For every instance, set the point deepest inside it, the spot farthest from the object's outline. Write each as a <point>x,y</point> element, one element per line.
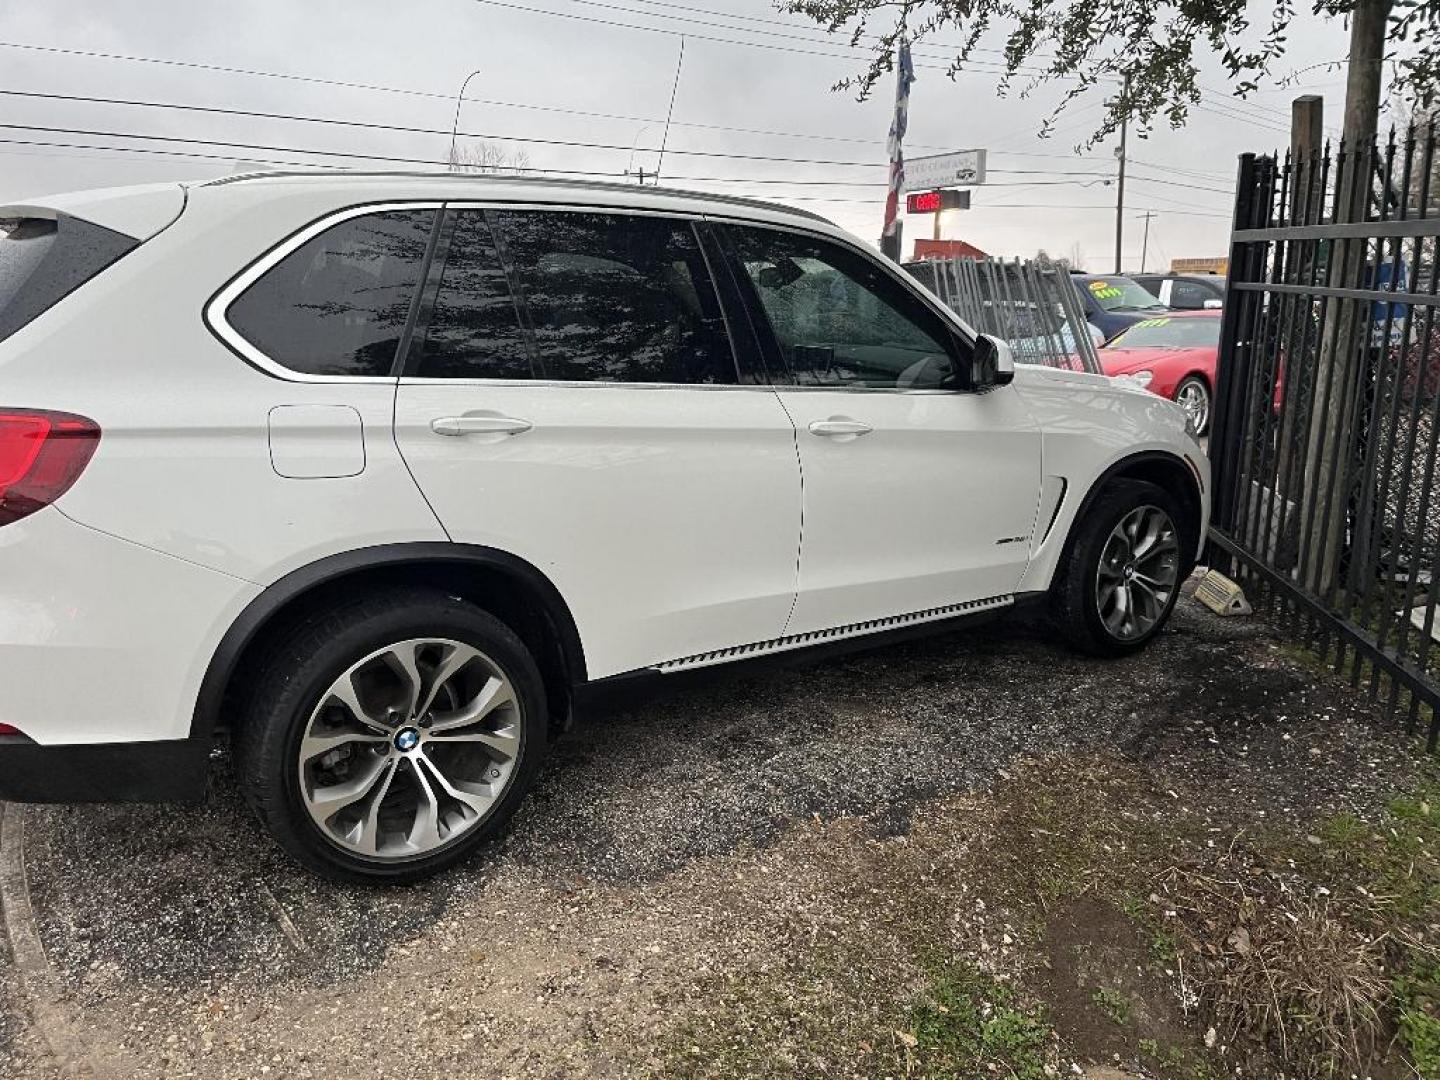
<point>830,429</point>
<point>479,425</point>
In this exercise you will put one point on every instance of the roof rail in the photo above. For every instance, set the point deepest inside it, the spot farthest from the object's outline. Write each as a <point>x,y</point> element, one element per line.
<point>492,179</point>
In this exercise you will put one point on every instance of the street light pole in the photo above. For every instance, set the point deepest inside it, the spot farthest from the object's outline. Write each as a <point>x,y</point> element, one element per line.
<point>455,124</point>
<point>1120,192</point>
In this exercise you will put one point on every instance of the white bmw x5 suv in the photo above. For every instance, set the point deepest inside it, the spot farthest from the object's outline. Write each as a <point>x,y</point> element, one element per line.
<point>390,477</point>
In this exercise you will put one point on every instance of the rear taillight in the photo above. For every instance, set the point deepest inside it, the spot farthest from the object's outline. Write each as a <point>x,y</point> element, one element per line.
<point>6,729</point>
<point>41,455</point>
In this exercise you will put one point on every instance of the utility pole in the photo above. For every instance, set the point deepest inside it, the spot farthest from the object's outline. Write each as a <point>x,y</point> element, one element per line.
<point>1343,364</point>
<point>1120,191</point>
<point>939,211</point>
<point>1145,244</point>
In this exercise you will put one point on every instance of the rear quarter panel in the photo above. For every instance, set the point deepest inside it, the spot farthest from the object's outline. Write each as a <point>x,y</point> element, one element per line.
<point>184,463</point>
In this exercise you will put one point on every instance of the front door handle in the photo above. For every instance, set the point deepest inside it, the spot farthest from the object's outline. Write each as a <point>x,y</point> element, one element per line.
<point>837,428</point>
<point>479,425</point>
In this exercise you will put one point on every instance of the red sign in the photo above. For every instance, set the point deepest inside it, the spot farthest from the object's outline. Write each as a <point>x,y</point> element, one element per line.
<point>924,202</point>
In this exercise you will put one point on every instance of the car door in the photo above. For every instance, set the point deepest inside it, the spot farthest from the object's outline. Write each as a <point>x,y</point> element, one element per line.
<point>571,397</point>
<point>919,496</point>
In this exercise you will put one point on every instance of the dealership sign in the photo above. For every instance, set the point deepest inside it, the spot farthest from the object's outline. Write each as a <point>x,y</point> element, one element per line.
<point>962,168</point>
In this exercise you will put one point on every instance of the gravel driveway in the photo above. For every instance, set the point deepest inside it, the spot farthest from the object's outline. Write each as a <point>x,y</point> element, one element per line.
<point>658,849</point>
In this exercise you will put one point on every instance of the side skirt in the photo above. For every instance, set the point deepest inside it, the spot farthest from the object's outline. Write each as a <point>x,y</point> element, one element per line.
<point>631,688</point>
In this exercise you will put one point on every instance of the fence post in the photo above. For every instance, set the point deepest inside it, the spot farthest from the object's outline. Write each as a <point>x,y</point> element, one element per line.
<point>1229,418</point>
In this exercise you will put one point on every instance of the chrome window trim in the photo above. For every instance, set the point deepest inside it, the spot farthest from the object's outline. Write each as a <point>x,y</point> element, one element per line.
<point>217,309</point>
<point>610,384</point>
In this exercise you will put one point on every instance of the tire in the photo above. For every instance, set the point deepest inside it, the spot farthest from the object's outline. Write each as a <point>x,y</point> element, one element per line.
<point>1076,596</point>
<point>1193,395</point>
<point>480,754</point>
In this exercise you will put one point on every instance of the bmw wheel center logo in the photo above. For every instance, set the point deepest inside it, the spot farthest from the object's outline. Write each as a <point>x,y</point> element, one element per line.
<point>406,739</point>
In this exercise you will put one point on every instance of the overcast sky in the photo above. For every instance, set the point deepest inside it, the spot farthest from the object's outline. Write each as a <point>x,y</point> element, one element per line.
<point>578,62</point>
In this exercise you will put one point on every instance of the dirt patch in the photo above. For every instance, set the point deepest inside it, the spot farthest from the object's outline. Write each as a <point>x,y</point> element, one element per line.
<point>1104,984</point>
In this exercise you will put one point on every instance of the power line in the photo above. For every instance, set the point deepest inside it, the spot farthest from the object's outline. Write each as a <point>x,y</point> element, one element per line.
<point>532,140</point>
<point>937,45</point>
<point>406,129</point>
<point>1178,184</point>
<point>1086,206</point>
<point>1221,111</point>
<point>433,95</point>
<point>595,20</point>
<point>1184,172</point>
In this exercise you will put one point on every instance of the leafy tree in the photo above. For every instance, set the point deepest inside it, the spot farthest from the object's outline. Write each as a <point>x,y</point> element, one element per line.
<point>1148,50</point>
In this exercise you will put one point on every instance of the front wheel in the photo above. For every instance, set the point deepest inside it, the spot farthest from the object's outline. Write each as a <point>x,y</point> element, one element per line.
<point>1121,575</point>
<point>390,738</point>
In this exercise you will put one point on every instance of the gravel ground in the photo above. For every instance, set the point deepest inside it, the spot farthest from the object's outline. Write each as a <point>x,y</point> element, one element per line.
<point>661,846</point>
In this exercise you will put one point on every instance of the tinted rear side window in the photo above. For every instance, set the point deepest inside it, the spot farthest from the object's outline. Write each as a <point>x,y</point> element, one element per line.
<point>474,330</point>
<point>338,304</point>
<point>604,298</point>
<point>43,260</point>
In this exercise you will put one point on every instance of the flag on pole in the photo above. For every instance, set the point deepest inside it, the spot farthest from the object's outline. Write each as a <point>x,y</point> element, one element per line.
<point>905,75</point>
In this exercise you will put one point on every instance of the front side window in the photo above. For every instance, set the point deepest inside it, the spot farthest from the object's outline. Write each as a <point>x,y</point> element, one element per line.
<point>338,304</point>
<point>604,298</point>
<point>840,319</point>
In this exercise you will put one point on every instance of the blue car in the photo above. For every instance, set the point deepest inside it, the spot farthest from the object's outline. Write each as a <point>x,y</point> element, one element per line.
<point>1113,302</point>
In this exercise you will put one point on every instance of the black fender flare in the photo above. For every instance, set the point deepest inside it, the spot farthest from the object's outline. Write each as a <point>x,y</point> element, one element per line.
<point>278,596</point>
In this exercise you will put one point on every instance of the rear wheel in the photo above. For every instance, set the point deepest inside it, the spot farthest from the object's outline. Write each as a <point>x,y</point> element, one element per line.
<point>1193,395</point>
<point>387,740</point>
<point>1121,576</point>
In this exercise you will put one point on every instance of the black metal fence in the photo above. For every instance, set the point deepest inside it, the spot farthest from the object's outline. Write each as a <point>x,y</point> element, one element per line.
<point>1327,412</point>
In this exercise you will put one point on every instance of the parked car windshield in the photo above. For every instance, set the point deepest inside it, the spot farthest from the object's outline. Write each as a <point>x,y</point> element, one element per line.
<point>1169,333</point>
<point>1119,294</point>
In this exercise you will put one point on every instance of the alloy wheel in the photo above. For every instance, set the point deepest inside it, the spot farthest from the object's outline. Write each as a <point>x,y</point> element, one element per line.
<point>410,749</point>
<point>1195,400</point>
<point>1138,573</point>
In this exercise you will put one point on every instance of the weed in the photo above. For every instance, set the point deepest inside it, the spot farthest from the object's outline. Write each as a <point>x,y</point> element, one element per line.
<point>1114,1004</point>
<point>1176,1061</point>
<point>1417,996</point>
<point>970,1025</point>
<point>1164,946</point>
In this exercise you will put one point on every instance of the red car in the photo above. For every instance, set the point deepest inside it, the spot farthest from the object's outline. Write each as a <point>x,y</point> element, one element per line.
<point>1171,355</point>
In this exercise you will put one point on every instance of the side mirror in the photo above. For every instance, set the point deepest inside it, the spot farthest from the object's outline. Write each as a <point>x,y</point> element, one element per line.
<point>991,363</point>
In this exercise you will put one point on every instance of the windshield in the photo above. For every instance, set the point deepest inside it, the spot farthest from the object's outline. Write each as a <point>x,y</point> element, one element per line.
<point>1171,333</point>
<point>43,259</point>
<point>1119,294</point>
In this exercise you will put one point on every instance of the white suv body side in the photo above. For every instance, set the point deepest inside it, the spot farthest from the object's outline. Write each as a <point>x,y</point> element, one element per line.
<point>668,526</point>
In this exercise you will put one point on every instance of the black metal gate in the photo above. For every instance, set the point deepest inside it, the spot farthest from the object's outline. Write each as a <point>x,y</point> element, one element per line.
<point>1327,412</point>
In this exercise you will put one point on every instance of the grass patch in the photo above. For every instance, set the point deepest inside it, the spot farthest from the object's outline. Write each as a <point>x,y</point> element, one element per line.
<point>1417,995</point>
<point>1176,1061</point>
<point>970,1025</point>
<point>1163,945</point>
<point>1114,1004</point>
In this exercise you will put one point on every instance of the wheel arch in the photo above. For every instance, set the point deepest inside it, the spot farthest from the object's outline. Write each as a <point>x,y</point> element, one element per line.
<point>1159,467</point>
<point>508,587</point>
